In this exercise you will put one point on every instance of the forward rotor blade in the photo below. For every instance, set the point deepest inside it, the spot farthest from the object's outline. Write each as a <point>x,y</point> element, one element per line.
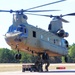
<point>41,10</point>
<point>4,11</point>
<point>45,5</point>
<point>10,11</point>
<point>27,11</point>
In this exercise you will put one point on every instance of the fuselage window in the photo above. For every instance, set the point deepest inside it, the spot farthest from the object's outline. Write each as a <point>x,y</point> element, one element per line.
<point>34,34</point>
<point>48,39</point>
<point>54,40</point>
<point>41,36</point>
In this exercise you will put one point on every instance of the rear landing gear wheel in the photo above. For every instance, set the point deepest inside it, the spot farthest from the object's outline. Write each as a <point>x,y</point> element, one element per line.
<point>66,59</point>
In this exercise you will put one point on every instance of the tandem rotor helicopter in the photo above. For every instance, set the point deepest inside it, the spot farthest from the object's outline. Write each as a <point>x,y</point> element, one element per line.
<point>33,40</point>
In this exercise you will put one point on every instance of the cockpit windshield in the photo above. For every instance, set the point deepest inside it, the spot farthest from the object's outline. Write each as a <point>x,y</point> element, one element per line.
<point>12,28</point>
<point>20,29</point>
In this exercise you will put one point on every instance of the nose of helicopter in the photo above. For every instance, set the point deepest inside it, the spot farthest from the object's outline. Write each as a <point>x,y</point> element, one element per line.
<point>10,38</point>
<point>12,35</point>
<point>16,40</point>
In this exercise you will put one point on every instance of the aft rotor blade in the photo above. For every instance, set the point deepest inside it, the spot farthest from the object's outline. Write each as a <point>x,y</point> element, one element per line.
<point>38,14</point>
<point>60,18</point>
<point>45,4</point>
<point>71,14</point>
<point>63,20</point>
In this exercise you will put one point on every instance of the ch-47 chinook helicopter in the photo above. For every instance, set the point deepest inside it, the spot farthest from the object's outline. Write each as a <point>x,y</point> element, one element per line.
<point>27,38</point>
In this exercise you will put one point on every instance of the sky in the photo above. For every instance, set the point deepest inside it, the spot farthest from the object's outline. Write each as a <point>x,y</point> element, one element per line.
<point>65,7</point>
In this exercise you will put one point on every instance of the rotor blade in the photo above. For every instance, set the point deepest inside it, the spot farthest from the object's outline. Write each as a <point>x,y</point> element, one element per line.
<point>71,14</point>
<point>27,11</point>
<point>63,20</point>
<point>41,10</point>
<point>45,5</point>
<point>58,17</point>
<point>10,11</point>
<point>38,14</point>
<point>4,11</point>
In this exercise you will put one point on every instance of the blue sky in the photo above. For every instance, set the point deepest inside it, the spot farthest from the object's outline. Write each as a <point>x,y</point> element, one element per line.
<point>66,7</point>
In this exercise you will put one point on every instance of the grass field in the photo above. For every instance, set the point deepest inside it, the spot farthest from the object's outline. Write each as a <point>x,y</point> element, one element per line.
<point>18,67</point>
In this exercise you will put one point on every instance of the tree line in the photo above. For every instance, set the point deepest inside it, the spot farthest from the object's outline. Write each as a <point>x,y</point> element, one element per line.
<point>8,56</point>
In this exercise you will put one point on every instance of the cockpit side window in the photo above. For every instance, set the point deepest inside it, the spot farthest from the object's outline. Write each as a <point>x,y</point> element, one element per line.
<point>22,29</point>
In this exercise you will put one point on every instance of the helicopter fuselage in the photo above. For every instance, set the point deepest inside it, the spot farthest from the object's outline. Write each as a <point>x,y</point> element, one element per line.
<point>29,39</point>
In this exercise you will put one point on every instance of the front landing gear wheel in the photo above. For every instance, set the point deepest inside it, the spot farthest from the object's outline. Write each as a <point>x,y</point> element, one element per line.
<point>18,56</point>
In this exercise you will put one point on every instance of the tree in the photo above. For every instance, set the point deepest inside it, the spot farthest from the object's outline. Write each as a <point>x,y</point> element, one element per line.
<point>8,56</point>
<point>5,56</point>
<point>72,53</point>
<point>26,58</point>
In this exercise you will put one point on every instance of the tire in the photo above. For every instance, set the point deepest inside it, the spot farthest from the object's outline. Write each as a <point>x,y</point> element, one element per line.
<point>18,56</point>
<point>66,59</point>
<point>23,69</point>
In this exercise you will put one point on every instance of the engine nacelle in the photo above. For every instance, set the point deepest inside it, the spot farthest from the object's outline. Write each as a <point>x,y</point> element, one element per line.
<point>62,33</point>
<point>66,34</point>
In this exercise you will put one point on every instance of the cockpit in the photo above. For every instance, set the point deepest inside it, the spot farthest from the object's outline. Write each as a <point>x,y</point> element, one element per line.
<point>20,28</point>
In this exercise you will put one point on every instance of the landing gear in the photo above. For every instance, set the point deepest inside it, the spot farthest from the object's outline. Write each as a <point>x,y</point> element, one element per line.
<point>43,58</point>
<point>66,59</point>
<point>18,55</point>
<point>38,64</point>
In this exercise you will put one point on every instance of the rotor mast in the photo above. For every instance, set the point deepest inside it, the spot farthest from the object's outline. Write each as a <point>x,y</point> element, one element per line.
<point>19,19</point>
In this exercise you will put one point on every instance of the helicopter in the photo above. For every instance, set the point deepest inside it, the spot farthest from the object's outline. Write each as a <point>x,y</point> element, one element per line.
<point>25,37</point>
